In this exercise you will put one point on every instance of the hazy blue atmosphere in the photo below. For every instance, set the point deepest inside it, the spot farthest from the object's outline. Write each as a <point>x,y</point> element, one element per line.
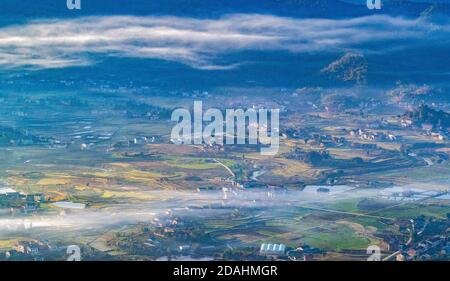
<point>88,158</point>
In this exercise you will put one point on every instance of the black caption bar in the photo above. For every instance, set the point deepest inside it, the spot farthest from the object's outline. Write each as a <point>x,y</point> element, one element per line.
<point>225,270</point>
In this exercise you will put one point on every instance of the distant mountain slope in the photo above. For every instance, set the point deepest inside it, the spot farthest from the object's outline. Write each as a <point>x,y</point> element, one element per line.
<point>350,67</point>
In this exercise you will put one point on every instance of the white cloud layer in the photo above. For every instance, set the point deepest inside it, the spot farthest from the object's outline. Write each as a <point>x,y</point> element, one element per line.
<point>198,43</point>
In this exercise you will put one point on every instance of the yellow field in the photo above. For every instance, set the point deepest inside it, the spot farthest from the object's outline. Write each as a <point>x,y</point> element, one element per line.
<point>290,168</point>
